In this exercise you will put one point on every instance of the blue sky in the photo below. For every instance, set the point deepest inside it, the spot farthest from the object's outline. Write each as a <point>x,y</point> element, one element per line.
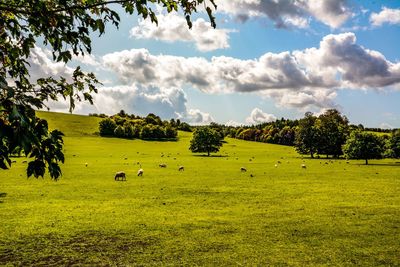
<point>265,60</point>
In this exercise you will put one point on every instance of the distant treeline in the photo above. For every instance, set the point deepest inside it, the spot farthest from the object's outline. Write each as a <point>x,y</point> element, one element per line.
<point>131,126</point>
<point>325,134</point>
<point>280,132</point>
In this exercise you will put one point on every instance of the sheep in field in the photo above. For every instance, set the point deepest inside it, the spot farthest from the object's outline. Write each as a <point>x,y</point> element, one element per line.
<point>243,169</point>
<point>181,168</point>
<point>140,172</point>
<point>119,175</point>
<point>86,164</point>
<point>304,166</point>
<point>162,165</point>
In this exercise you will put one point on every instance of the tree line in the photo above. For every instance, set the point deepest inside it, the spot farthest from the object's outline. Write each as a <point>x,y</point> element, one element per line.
<point>328,134</point>
<point>131,126</point>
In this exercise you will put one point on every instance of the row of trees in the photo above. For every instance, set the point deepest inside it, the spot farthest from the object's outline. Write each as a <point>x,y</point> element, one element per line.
<point>330,134</point>
<point>123,125</point>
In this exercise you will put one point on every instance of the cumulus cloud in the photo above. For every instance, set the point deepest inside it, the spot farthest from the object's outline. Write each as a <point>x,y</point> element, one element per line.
<point>41,65</point>
<point>387,15</point>
<point>257,116</point>
<point>233,123</point>
<point>296,79</point>
<point>289,13</point>
<point>165,102</point>
<point>173,27</point>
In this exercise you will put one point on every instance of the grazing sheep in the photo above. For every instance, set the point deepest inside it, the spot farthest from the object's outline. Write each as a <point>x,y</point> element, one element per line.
<point>119,175</point>
<point>163,165</point>
<point>140,172</point>
<point>276,165</point>
<point>243,169</point>
<point>181,168</point>
<point>86,164</point>
<point>304,166</point>
<point>251,175</point>
<point>279,162</point>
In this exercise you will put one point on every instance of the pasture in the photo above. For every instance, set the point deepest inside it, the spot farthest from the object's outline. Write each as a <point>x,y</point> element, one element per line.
<point>329,213</point>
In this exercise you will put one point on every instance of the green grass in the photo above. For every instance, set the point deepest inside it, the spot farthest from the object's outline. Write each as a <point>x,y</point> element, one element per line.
<point>335,214</point>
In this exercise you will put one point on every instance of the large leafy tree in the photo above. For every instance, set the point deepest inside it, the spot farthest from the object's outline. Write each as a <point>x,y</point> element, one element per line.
<point>205,139</point>
<point>363,145</point>
<point>333,129</point>
<point>394,144</point>
<point>64,26</point>
<point>307,137</point>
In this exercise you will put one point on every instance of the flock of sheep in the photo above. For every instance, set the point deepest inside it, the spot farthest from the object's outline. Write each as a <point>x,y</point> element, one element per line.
<point>121,175</point>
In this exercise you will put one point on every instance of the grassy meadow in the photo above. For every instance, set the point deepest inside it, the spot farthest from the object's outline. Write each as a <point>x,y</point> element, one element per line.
<point>211,214</point>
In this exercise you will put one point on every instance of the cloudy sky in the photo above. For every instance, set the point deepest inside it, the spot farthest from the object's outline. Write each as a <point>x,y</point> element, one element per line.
<point>267,59</point>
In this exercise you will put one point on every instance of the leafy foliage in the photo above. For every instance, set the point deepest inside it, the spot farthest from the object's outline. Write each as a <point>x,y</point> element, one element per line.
<point>131,126</point>
<point>394,144</point>
<point>307,135</point>
<point>205,139</point>
<point>65,27</point>
<point>363,145</point>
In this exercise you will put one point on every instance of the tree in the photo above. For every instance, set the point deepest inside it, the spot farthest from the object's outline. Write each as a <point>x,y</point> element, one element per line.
<point>205,139</point>
<point>107,127</point>
<point>333,130</point>
<point>363,145</point>
<point>65,27</point>
<point>307,135</point>
<point>394,144</point>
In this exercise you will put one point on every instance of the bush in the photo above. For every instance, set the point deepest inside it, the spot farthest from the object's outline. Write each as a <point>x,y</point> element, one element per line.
<point>107,127</point>
<point>119,131</point>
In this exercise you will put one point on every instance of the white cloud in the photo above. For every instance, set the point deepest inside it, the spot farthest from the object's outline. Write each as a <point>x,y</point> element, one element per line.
<point>387,15</point>
<point>233,123</point>
<point>289,13</point>
<point>41,66</point>
<point>166,103</point>
<point>172,27</point>
<point>257,116</point>
<point>296,79</point>
<point>385,125</point>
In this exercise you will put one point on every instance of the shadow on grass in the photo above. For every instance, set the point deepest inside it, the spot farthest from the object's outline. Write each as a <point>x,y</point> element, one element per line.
<point>397,164</point>
<point>211,156</point>
<point>2,195</point>
<point>89,248</point>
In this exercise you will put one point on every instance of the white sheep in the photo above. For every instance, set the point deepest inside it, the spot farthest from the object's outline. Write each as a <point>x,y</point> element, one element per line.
<point>86,164</point>
<point>140,172</point>
<point>181,168</point>
<point>304,166</point>
<point>162,165</point>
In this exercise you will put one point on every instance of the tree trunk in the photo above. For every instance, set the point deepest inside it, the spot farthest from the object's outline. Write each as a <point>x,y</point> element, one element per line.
<point>312,154</point>
<point>366,161</point>
<point>208,152</point>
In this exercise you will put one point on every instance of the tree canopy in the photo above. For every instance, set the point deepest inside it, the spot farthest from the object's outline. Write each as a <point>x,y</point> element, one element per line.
<point>64,26</point>
<point>363,145</point>
<point>205,139</point>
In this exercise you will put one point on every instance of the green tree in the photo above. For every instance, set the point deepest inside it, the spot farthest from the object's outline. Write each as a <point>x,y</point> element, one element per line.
<point>107,127</point>
<point>65,26</point>
<point>306,141</point>
<point>333,130</point>
<point>363,145</point>
<point>119,131</point>
<point>205,139</point>
<point>394,144</point>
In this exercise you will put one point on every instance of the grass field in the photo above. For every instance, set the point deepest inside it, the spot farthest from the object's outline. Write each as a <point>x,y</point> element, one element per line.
<point>331,213</point>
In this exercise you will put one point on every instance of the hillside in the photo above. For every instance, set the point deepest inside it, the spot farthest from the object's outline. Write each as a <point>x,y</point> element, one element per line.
<point>276,213</point>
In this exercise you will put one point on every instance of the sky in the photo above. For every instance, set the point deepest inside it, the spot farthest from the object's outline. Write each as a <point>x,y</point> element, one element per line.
<point>266,59</point>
